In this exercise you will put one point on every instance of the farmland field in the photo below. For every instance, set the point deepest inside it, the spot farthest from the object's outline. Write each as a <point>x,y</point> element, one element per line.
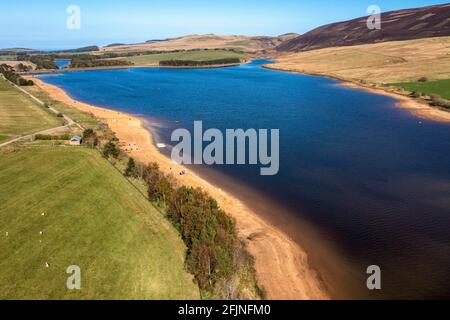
<point>20,115</point>
<point>201,55</point>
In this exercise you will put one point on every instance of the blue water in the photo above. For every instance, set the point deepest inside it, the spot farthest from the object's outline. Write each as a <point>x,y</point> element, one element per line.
<point>62,63</point>
<point>361,182</point>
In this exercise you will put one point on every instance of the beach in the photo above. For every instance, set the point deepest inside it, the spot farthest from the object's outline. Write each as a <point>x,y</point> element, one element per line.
<point>282,267</point>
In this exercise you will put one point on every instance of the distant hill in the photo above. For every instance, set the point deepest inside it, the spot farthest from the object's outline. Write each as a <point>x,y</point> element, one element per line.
<point>78,50</point>
<point>14,51</point>
<point>408,24</point>
<point>114,45</point>
<point>207,41</point>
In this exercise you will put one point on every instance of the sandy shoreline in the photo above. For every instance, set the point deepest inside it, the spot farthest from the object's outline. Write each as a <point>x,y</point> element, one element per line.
<point>282,267</point>
<point>415,107</point>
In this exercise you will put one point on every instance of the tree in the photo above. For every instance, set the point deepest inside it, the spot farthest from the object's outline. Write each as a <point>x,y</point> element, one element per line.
<point>23,68</point>
<point>90,138</point>
<point>24,82</point>
<point>110,149</point>
<point>131,170</point>
<point>160,186</point>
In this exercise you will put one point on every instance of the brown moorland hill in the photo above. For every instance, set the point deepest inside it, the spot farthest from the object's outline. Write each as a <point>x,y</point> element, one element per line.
<point>207,41</point>
<point>408,24</point>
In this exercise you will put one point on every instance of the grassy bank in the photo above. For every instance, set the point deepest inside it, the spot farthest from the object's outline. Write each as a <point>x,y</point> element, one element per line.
<point>85,119</point>
<point>439,87</point>
<point>20,115</point>
<point>94,218</point>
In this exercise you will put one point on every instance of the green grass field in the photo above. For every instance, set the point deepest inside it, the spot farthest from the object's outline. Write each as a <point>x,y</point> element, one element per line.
<point>202,55</point>
<point>20,115</point>
<point>439,87</point>
<point>94,218</point>
<point>83,118</point>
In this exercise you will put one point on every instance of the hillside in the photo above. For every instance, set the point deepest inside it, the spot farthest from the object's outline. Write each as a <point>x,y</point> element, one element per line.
<point>425,22</point>
<point>70,206</point>
<point>208,41</point>
<point>20,115</point>
<point>387,62</point>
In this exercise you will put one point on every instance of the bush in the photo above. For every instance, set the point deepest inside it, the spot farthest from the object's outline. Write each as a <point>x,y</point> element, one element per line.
<point>24,82</point>
<point>416,94</point>
<point>423,79</point>
<point>439,102</point>
<point>9,73</point>
<point>60,115</point>
<point>42,137</point>
<point>47,137</point>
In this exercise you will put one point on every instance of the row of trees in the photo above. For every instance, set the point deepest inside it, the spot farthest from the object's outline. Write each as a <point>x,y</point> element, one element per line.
<point>23,67</point>
<point>193,63</point>
<point>90,61</point>
<point>215,256</point>
<point>52,137</point>
<point>436,100</point>
<point>42,61</point>
<point>10,73</point>
<point>47,61</point>
<point>439,102</point>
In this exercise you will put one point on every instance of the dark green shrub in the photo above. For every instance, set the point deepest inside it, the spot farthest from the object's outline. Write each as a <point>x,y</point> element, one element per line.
<point>24,82</point>
<point>131,170</point>
<point>47,137</point>
<point>416,94</point>
<point>110,149</point>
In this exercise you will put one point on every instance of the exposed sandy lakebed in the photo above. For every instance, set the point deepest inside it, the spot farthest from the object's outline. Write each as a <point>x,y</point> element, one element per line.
<point>414,106</point>
<point>282,267</point>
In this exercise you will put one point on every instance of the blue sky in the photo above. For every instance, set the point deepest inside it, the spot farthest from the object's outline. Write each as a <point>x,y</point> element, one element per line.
<point>41,24</point>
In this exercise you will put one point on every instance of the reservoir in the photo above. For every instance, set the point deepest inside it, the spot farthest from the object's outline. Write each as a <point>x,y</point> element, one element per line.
<point>62,63</point>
